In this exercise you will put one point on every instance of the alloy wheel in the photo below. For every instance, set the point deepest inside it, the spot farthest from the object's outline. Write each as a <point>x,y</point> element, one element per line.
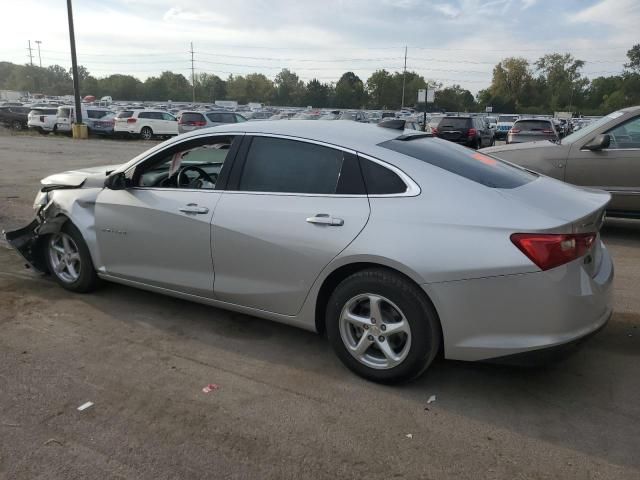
<point>375,331</point>
<point>65,257</point>
<point>146,133</point>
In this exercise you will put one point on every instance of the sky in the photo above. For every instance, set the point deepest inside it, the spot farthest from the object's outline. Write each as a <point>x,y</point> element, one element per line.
<point>449,41</point>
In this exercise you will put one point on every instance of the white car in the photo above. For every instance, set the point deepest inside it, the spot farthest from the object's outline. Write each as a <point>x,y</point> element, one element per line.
<point>43,119</point>
<point>145,123</point>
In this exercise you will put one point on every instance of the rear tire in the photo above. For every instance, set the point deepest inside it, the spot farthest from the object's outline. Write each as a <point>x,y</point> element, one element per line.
<point>17,125</point>
<point>69,260</point>
<point>398,346</point>
<point>146,133</point>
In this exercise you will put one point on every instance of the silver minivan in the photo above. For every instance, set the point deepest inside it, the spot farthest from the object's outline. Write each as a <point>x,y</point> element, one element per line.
<point>190,120</point>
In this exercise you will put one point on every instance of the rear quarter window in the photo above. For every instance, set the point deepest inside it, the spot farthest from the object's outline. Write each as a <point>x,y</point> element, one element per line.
<point>125,114</point>
<point>475,166</point>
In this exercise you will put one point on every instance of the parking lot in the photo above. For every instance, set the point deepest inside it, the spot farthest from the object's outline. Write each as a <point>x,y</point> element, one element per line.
<point>285,407</point>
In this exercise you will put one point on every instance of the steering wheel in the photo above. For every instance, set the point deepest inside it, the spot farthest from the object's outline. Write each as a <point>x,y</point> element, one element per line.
<point>183,181</point>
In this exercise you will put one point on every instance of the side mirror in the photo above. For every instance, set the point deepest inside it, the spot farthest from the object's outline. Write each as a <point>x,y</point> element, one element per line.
<point>599,142</point>
<point>117,181</point>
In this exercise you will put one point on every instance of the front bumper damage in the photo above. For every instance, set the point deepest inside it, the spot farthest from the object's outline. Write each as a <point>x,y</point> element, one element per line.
<point>28,240</point>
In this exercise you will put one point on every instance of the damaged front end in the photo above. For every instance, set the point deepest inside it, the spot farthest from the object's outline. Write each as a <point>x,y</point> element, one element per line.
<point>28,240</point>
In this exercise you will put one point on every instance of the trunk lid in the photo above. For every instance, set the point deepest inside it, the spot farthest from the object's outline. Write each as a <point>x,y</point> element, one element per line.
<point>576,209</point>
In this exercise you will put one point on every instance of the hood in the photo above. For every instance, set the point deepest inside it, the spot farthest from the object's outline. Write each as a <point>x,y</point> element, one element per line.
<point>85,177</point>
<point>519,146</point>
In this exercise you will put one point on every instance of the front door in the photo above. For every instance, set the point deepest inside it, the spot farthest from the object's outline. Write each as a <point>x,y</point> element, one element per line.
<point>615,169</point>
<point>158,231</point>
<point>292,210</point>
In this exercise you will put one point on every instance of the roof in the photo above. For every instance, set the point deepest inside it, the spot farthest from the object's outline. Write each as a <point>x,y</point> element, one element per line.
<point>344,133</point>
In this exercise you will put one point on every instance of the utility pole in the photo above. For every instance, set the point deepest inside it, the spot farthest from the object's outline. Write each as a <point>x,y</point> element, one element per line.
<point>30,54</point>
<point>39,57</point>
<point>193,76</point>
<point>404,74</point>
<point>74,64</point>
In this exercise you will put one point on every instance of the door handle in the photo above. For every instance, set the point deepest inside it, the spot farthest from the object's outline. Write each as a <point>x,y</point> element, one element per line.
<point>194,208</point>
<point>326,219</point>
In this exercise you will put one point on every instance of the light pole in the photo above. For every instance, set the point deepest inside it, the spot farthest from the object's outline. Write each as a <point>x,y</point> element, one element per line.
<point>74,66</point>
<point>39,57</point>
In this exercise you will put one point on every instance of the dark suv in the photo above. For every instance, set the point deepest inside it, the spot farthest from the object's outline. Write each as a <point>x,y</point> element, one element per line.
<point>469,131</point>
<point>15,117</point>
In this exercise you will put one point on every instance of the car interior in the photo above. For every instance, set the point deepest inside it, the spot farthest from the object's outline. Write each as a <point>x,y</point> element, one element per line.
<point>195,168</point>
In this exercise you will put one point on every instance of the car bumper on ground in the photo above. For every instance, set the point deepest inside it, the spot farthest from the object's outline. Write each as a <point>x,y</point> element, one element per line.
<point>494,317</point>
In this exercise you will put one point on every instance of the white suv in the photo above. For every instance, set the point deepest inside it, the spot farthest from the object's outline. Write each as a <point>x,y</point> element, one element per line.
<point>145,123</point>
<point>43,119</point>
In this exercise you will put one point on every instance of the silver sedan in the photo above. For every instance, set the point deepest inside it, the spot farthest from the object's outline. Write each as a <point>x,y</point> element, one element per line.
<point>396,244</point>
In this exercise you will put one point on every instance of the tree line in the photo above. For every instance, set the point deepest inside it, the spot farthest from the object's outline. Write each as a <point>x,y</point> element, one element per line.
<point>553,83</point>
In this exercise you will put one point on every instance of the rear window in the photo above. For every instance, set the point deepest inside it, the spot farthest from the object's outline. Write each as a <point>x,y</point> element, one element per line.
<point>475,166</point>
<point>191,117</point>
<point>455,122</point>
<point>532,125</point>
<point>507,118</point>
<point>125,114</point>
<point>44,111</point>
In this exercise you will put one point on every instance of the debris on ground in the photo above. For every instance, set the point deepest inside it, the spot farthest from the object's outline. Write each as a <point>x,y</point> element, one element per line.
<point>210,388</point>
<point>432,399</point>
<point>409,435</point>
<point>84,406</point>
<point>53,440</point>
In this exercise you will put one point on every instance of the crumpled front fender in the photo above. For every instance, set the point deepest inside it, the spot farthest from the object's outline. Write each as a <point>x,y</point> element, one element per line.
<point>28,240</point>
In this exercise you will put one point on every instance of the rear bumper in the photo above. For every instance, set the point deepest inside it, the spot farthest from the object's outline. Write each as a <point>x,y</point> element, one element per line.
<point>499,316</point>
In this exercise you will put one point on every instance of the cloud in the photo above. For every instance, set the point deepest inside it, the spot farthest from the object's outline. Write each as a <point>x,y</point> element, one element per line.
<point>528,4</point>
<point>616,13</point>
<point>447,10</point>
<point>177,13</point>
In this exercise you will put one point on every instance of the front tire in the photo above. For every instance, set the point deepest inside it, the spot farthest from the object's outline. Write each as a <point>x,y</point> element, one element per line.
<point>382,326</point>
<point>69,260</point>
<point>146,133</point>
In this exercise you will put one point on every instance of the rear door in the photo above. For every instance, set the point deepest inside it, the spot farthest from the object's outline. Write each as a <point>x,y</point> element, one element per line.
<point>615,169</point>
<point>291,207</point>
<point>454,129</point>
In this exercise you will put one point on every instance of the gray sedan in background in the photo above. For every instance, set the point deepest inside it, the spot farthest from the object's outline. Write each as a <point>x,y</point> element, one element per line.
<point>605,155</point>
<point>396,244</point>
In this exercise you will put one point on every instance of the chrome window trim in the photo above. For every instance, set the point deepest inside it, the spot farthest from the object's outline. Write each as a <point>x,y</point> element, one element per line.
<point>413,189</point>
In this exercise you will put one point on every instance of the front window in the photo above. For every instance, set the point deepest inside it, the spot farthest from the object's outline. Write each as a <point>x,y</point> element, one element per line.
<point>626,135</point>
<point>194,166</point>
<point>583,132</point>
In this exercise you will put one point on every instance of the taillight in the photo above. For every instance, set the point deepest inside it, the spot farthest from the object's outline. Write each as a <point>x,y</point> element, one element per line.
<point>515,130</point>
<point>42,118</point>
<point>434,130</point>
<point>472,132</point>
<point>547,131</point>
<point>548,251</point>
<point>131,120</point>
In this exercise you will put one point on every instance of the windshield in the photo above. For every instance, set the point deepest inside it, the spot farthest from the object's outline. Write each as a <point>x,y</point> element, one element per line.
<point>583,132</point>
